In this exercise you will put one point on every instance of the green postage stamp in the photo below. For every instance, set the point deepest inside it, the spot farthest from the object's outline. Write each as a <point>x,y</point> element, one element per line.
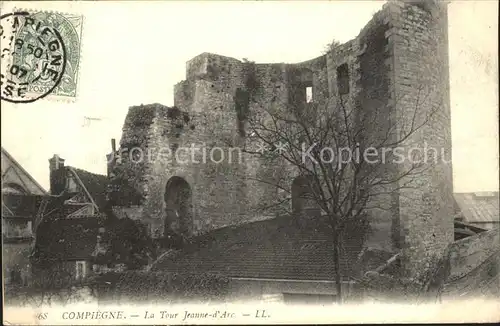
<point>41,55</point>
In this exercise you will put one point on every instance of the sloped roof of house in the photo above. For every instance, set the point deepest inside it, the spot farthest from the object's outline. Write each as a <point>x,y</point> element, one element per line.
<point>36,186</point>
<point>278,248</point>
<point>479,207</point>
<point>95,185</point>
<point>93,188</point>
<point>67,239</point>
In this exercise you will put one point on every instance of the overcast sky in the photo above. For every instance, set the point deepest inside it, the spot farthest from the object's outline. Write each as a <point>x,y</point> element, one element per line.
<point>134,53</point>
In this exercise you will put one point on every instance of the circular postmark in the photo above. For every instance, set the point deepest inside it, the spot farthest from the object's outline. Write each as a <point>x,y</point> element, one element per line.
<point>33,53</point>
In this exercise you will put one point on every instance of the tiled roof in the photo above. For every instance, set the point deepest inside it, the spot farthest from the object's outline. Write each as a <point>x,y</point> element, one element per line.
<point>479,207</point>
<point>483,280</point>
<point>279,248</point>
<point>96,185</point>
<point>67,239</point>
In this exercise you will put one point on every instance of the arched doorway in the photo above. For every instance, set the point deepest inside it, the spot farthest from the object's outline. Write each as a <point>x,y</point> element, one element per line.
<point>178,206</point>
<point>303,201</point>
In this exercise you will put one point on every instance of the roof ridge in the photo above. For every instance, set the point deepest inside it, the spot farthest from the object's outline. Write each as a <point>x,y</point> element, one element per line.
<point>24,170</point>
<point>79,169</point>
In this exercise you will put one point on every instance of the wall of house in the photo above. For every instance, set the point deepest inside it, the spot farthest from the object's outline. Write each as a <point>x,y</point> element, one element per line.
<point>60,274</point>
<point>15,258</point>
<point>262,290</point>
<point>14,229</point>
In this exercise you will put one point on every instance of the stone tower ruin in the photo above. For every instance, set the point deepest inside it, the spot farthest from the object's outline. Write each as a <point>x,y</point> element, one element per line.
<point>399,55</point>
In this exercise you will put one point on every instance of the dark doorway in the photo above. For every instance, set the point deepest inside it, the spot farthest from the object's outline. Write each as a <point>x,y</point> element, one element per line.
<point>178,207</point>
<point>303,201</point>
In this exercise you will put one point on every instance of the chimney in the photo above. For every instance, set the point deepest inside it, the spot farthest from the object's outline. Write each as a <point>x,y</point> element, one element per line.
<point>111,158</point>
<point>57,175</point>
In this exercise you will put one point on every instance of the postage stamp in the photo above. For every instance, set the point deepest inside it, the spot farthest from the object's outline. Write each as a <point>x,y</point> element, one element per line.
<point>40,55</point>
<point>343,169</point>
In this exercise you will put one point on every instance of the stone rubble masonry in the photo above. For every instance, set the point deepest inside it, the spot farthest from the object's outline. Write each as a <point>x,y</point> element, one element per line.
<point>419,39</point>
<point>399,60</point>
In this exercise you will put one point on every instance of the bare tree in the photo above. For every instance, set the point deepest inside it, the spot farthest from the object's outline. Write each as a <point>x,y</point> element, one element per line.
<point>352,157</point>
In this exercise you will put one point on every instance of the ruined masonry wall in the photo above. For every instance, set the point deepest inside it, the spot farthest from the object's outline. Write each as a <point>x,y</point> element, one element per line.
<point>419,40</point>
<point>398,59</point>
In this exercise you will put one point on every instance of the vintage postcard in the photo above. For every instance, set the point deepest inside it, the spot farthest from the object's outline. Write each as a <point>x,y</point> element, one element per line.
<point>249,162</point>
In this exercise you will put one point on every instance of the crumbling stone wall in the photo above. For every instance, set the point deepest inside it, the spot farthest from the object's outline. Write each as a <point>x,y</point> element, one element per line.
<point>211,108</point>
<point>367,100</point>
<point>419,43</point>
<point>398,61</point>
